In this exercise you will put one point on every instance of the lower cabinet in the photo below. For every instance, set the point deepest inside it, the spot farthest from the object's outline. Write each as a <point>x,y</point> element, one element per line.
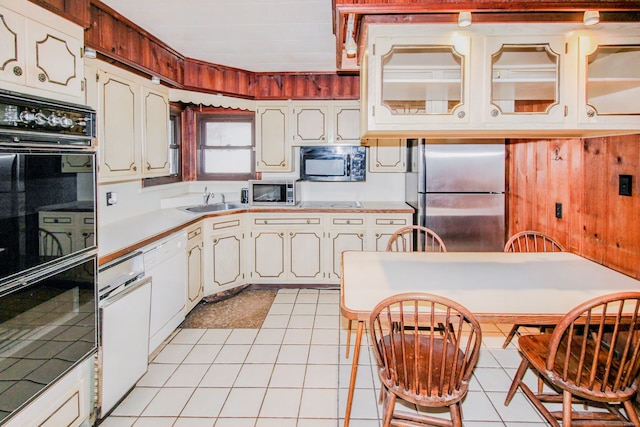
<point>67,402</point>
<point>383,226</point>
<point>344,233</point>
<point>287,248</point>
<point>224,253</point>
<point>195,256</point>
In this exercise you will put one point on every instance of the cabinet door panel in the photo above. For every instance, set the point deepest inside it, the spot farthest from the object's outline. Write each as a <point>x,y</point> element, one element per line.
<point>12,60</point>
<point>344,241</point>
<point>273,150</point>
<point>310,124</point>
<point>55,59</point>
<point>194,274</point>
<point>268,256</point>
<point>306,255</point>
<point>227,258</point>
<point>156,134</point>
<point>118,146</point>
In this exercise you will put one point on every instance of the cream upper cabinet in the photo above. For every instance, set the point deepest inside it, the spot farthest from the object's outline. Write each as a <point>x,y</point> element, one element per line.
<point>415,80</point>
<point>327,122</point>
<point>310,124</point>
<point>155,149</point>
<point>133,123</point>
<point>525,75</point>
<point>387,155</point>
<point>119,132</point>
<point>609,80</point>
<point>41,52</point>
<point>273,138</point>
<point>510,80</point>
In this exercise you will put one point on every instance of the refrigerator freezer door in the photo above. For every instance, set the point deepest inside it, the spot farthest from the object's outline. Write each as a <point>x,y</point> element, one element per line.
<point>465,168</point>
<point>466,222</point>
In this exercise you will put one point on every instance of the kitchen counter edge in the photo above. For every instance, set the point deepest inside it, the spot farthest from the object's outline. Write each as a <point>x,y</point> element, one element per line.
<point>166,222</point>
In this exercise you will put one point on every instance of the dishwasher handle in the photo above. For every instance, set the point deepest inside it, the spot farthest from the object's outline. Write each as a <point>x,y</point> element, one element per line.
<point>122,291</point>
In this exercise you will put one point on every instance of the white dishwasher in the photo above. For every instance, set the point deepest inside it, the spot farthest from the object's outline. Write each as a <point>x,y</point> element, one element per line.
<point>165,261</point>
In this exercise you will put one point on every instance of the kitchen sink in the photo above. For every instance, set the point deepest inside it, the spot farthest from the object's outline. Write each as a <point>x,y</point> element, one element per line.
<point>214,207</point>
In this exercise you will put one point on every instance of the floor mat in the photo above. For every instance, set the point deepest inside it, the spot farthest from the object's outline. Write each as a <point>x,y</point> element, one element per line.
<point>245,310</point>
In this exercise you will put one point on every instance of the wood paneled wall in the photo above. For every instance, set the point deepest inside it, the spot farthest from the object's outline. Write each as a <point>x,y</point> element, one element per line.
<point>597,223</point>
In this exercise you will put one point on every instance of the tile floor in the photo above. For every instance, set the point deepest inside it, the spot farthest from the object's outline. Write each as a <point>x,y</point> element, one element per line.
<point>292,372</point>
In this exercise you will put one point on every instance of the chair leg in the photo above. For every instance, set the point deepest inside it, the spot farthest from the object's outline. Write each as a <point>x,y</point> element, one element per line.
<point>510,335</point>
<point>389,407</point>
<point>456,414</point>
<point>348,338</point>
<point>566,408</point>
<point>516,380</point>
<point>631,413</point>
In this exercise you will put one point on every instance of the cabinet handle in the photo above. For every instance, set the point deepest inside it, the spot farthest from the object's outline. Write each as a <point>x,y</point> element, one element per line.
<point>495,112</point>
<point>291,233</point>
<point>17,70</point>
<point>135,168</point>
<point>348,222</point>
<point>148,167</point>
<point>461,114</point>
<point>591,113</point>
<point>360,235</point>
<point>215,241</point>
<point>281,234</point>
<point>69,234</point>
<point>308,221</point>
<point>42,77</point>
<point>377,234</point>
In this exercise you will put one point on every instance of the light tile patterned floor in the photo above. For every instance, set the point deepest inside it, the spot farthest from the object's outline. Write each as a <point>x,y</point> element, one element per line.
<point>292,372</point>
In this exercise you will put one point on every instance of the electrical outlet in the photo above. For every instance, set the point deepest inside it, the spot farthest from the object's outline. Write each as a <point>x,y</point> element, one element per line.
<point>625,185</point>
<point>112,198</point>
<point>559,210</point>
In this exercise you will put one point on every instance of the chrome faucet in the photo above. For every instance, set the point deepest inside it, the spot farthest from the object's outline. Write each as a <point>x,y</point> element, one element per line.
<point>223,200</point>
<point>206,196</point>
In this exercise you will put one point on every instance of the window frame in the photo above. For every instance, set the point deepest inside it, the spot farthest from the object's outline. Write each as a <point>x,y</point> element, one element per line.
<point>201,120</point>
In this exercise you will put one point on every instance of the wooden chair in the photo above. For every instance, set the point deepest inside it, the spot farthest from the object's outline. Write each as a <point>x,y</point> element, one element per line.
<point>402,240</point>
<point>426,240</point>
<point>591,358</point>
<point>50,246</point>
<point>532,241</point>
<point>529,241</point>
<point>419,364</point>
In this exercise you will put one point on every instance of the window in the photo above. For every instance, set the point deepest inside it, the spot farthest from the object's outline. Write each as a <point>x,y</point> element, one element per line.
<point>226,147</point>
<point>175,150</point>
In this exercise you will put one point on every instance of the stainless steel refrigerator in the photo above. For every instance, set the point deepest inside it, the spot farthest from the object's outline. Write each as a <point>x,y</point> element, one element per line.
<point>457,189</point>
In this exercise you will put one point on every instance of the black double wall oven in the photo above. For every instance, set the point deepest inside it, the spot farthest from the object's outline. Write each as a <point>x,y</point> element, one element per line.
<point>48,245</point>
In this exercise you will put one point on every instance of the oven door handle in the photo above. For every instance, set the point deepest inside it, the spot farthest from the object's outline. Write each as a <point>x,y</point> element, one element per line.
<point>122,291</point>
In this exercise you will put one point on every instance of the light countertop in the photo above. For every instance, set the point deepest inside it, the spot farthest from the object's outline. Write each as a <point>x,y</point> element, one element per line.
<point>119,238</point>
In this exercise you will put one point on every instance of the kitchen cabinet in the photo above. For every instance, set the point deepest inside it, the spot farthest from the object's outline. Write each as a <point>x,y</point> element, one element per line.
<point>287,247</point>
<point>609,81</point>
<point>195,263</point>
<point>73,230</point>
<point>345,232</point>
<point>42,53</point>
<point>325,123</point>
<point>524,83</point>
<point>224,253</point>
<point>511,80</point>
<point>387,155</point>
<point>416,80</point>
<point>76,163</point>
<point>383,226</point>
<point>273,138</point>
<point>68,402</point>
<point>133,124</point>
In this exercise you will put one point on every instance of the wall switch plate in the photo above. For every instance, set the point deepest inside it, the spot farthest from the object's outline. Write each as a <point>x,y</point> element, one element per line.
<point>112,198</point>
<point>558,210</point>
<point>625,185</point>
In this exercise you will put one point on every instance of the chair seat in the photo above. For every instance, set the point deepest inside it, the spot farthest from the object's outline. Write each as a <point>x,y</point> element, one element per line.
<point>434,386</point>
<point>536,349</point>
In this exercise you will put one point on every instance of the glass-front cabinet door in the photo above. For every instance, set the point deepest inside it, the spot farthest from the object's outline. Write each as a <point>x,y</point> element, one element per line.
<point>609,70</point>
<point>419,80</point>
<point>524,79</point>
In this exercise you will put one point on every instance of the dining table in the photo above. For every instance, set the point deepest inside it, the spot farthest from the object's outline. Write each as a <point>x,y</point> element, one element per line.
<point>536,288</point>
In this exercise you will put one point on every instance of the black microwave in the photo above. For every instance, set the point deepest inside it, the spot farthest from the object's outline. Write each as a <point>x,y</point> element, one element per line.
<point>333,163</point>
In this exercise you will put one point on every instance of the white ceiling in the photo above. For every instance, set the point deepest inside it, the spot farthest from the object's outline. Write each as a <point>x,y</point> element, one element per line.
<point>253,35</point>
